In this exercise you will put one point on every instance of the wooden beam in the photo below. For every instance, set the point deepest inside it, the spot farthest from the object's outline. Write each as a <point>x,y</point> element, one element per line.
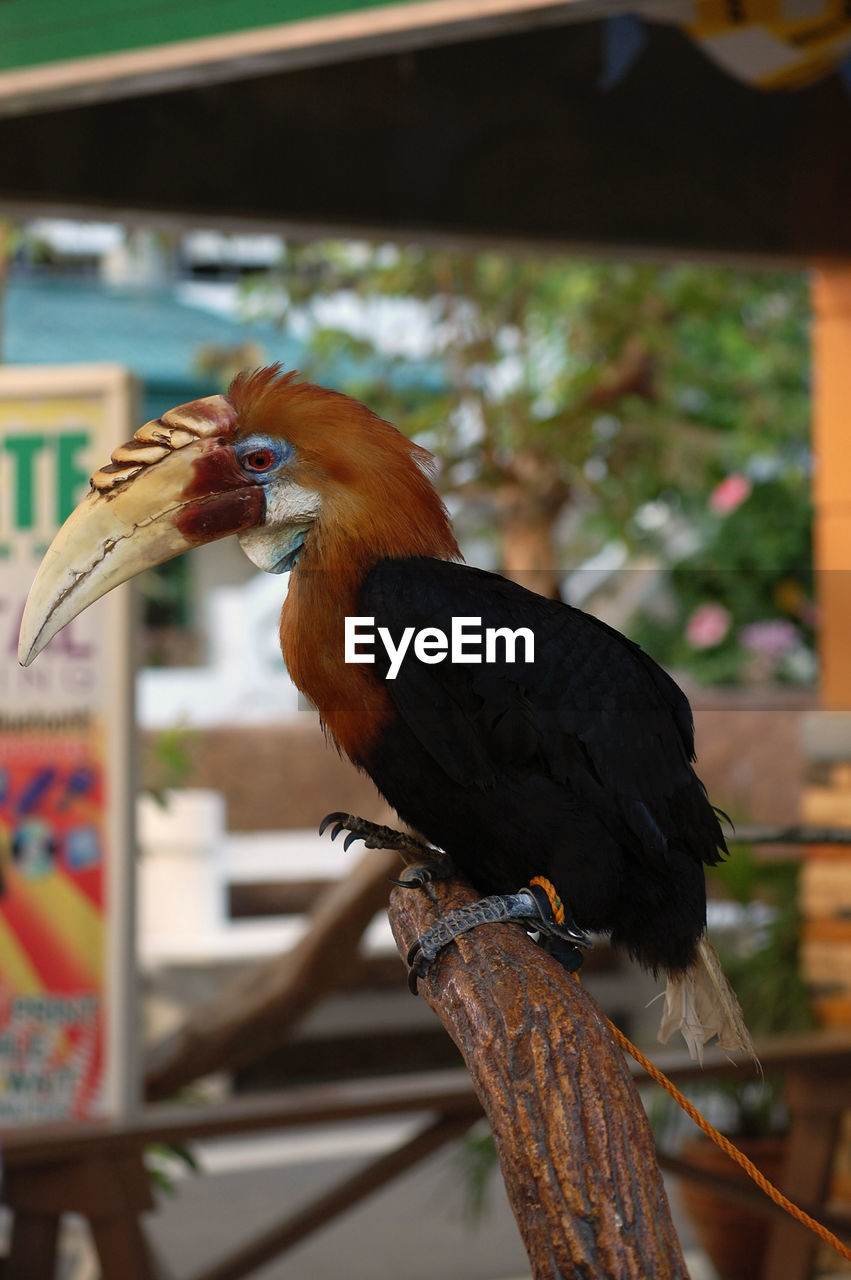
<point>284,1235</point>
<point>215,59</point>
<point>110,1189</point>
<point>510,139</point>
<point>831,343</point>
<point>447,1092</point>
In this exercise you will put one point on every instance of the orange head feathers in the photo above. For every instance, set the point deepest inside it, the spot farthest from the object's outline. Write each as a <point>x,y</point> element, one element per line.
<point>371,485</point>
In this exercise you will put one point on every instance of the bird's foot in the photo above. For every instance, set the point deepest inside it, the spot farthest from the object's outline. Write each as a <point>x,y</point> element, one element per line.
<point>425,863</point>
<point>531,907</point>
<point>438,866</point>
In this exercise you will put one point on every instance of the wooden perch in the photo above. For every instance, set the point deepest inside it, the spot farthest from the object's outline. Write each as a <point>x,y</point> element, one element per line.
<point>257,1011</point>
<point>574,1145</point>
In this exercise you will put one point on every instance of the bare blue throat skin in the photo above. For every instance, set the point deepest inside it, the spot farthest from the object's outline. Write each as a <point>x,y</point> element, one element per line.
<point>287,561</point>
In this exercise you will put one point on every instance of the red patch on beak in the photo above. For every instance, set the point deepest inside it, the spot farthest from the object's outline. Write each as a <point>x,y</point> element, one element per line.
<point>221,498</point>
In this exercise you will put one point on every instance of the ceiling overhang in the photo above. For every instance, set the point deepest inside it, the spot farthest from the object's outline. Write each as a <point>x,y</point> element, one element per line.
<point>508,129</point>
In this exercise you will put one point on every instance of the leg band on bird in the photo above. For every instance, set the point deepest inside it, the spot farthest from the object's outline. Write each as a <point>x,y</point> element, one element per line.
<point>532,907</point>
<point>538,907</point>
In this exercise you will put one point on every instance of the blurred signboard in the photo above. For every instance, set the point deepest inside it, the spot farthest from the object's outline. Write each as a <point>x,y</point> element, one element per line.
<point>66,1006</point>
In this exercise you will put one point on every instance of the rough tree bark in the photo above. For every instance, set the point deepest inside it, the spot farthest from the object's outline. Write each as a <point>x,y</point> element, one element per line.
<point>574,1145</point>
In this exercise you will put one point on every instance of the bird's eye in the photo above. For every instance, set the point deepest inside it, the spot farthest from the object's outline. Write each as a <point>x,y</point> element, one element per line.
<point>258,460</point>
<point>260,455</point>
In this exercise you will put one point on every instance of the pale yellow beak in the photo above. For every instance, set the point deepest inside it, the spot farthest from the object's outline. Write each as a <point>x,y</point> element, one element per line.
<point>171,487</point>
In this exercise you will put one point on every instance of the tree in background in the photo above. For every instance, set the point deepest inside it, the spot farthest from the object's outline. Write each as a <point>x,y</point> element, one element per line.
<point>609,413</point>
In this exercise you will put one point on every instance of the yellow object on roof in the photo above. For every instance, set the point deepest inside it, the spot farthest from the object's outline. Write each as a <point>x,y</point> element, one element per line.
<point>771,44</point>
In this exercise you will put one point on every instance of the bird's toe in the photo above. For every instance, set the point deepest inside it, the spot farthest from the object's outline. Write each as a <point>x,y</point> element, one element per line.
<point>340,819</point>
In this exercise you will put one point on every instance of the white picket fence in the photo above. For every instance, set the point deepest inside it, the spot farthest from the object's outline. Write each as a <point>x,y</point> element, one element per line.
<point>187,860</point>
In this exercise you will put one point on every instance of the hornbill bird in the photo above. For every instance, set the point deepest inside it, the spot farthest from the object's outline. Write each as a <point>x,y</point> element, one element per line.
<point>566,761</point>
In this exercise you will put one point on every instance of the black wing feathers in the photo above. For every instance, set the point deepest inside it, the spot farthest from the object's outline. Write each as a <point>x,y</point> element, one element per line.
<point>592,711</point>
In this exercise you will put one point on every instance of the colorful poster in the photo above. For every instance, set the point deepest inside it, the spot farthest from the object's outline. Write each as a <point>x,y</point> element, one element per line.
<point>65,919</point>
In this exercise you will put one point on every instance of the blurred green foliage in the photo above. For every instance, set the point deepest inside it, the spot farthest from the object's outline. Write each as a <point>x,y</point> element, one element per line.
<point>166,762</point>
<point>616,397</point>
<point>762,964</point>
<point>165,1160</point>
<point>751,571</point>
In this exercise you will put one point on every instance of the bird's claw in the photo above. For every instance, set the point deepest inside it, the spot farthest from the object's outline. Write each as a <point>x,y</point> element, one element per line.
<point>423,873</point>
<point>426,860</point>
<point>338,818</point>
<point>419,961</point>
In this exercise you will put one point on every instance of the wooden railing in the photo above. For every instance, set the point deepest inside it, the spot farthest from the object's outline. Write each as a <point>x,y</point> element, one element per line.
<point>96,1168</point>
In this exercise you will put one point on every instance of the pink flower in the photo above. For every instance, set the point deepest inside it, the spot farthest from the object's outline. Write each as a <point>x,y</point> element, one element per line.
<point>730,493</point>
<point>773,638</point>
<point>707,626</point>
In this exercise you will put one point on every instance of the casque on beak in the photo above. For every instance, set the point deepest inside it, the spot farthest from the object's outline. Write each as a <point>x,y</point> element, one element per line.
<point>173,486</point>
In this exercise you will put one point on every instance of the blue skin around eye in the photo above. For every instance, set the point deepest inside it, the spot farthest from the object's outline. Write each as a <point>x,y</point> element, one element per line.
<point>279,448</point>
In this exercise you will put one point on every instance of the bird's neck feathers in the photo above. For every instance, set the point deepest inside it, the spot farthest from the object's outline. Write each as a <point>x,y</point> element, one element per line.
<point>377,501</point>
<point>395,516</point>
<point>400,516</point>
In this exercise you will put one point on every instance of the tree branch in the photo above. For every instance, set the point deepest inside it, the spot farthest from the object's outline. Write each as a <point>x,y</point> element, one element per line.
<point>257,1011</point>
<point>575,1148</point>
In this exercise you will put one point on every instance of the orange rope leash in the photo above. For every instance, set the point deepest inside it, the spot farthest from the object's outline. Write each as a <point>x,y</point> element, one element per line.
<point>700,1120</point>
<point>556,904</point>
<point>730,1148</point>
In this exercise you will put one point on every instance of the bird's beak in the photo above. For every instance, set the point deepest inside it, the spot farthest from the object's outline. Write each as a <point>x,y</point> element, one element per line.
<point>175,485</point>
